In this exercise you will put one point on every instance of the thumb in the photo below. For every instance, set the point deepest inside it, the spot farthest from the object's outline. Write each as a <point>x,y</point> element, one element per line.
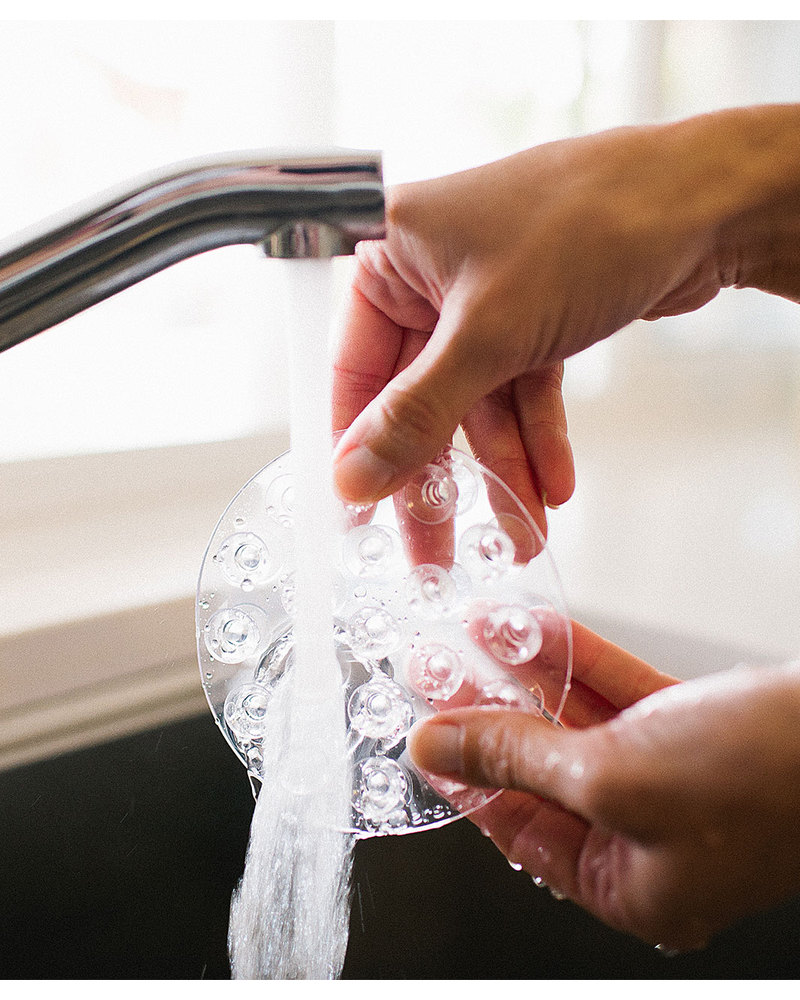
<point>414,417</point>
<point>503,748</point>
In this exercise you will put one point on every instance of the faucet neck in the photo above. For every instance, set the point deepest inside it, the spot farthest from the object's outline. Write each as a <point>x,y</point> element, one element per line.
<point>290,204</point>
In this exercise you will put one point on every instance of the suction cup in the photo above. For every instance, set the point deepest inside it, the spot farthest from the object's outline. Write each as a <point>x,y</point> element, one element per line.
<point>445,596</point>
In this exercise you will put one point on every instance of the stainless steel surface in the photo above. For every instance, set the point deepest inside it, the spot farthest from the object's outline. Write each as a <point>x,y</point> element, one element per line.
<point>291,204</point>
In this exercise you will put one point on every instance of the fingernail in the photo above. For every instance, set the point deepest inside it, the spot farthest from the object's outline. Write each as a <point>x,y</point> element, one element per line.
<point>361,475</point>
<point>437,747</point>
<point>546,502</point>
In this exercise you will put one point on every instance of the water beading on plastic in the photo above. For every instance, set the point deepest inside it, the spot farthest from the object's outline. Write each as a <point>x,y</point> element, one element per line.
<point>445,596</point>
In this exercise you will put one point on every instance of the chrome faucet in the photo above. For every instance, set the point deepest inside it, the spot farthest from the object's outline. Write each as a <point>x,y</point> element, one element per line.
<point>290,204</point>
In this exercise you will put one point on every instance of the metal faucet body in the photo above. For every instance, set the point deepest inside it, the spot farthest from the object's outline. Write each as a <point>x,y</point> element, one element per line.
<point>290,204</point>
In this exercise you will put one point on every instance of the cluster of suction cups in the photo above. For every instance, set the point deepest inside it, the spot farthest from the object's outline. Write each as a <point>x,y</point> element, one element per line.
<point>445,596</point>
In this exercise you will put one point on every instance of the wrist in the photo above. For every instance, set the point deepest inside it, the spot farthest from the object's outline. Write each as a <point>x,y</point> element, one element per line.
<point>752,182</point>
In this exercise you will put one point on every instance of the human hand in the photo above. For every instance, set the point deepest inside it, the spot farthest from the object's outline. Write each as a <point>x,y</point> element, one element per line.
<point>670,816</point>
<point>490,278</point>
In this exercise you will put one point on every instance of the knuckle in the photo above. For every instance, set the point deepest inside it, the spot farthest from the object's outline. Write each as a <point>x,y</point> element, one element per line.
<point>357,382</point>
<point>510,468</point>
<point>598,791</point>
<point>618,792</point>
<point>496,754</point>
<point>375,268</point>
<point>602,783</point>
<point>378,281</point>
<point>547,379</point>
<point>543,410</point>
<point>411,416</point>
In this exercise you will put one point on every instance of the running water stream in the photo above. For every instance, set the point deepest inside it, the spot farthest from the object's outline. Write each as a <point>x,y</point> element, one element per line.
<point>290,913</point>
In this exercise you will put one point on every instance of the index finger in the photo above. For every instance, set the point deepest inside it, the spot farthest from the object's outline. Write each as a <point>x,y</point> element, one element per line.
<point>366,358</point>
<point>611,672</point>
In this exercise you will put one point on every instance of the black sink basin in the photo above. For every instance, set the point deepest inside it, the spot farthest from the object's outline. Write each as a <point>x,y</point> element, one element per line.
<point>118,862</point>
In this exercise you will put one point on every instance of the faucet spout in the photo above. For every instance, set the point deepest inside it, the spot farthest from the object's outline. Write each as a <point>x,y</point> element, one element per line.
<point>290,204</point>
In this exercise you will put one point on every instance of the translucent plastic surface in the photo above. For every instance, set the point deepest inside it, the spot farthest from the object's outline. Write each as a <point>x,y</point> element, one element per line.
<point>445,596</point>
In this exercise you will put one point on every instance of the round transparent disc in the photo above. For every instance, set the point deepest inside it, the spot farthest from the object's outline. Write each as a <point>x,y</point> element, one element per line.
<point>445,597</point>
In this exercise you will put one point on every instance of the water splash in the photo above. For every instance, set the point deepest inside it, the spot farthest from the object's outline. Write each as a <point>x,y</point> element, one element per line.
<point>290,914</point>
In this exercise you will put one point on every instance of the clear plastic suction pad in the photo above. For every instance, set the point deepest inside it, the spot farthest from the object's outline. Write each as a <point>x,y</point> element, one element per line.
<point>445,597</point>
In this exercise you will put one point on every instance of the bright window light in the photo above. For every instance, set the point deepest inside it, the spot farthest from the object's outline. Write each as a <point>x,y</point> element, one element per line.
<point>196,353</point>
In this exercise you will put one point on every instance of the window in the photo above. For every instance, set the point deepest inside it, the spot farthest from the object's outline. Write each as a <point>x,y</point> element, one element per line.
<point>97,103</point>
